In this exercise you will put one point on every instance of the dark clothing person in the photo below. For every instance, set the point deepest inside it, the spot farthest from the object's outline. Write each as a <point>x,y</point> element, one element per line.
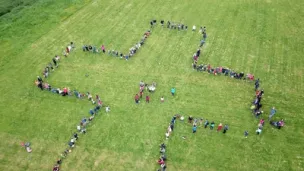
<point>246,133</point>
<point>172,126</point>
<point>59,161</point>
<point>162,22</point>
<point>190,119</point>
<point>198,52</point>
<point>40,85</point>
<point>206,123</point>
<point>204,35</point>
<point>225,129</point>
<point>39,79</point>
<point>55,62</point>
<point>76,136</point>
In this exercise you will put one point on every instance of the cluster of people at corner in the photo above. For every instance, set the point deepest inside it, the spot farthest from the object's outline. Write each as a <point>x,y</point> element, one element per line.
<point>116,53</point>
<point>256,105</point>
<point>256,108</point>
<point>219,70</point>
<point>50,68</point>
<point>195,122</point>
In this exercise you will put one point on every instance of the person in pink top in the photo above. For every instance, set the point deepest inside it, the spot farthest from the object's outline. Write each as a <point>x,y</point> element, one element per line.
<point>103,48</point>
<point>262,122</point>
<point>65,91</point>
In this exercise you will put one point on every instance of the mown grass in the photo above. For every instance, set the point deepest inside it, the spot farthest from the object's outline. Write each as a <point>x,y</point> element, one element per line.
<point>261,37</point>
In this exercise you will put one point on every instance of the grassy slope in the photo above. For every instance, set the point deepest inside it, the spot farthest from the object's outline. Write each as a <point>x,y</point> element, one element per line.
<point>247,36</point>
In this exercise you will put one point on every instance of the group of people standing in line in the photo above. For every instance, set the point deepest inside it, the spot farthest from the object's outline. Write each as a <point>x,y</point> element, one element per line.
<point>132,51</point>
<point>256,105</point>
<point>162,159</point>
<point>81,128</point>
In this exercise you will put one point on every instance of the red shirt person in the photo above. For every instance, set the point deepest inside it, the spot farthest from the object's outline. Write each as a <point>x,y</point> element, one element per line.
<point>136,98</point>
<point>147,99</point>
<point>219,127</point>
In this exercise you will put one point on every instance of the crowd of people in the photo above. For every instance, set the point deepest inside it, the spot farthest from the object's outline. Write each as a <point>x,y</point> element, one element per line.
<point>256,106</point>
<point>144,86</point>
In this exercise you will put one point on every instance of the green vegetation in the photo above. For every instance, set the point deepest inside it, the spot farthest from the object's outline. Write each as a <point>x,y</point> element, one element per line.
<point>260,37</point>
<point>7,6</point>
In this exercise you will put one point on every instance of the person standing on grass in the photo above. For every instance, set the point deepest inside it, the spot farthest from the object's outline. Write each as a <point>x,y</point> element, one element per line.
<point>162,99</point>
<point>198,52</point>
<point>103,48</point>
<point>167,134</point>
<point>147,99</point>
<point>172,126</point>
<point>67,50</point>
<point>204,36</point>
<point>39,79</point>
<point>219,127</point>
<point>136,98</point>
<point>262,121</point>
<point>204,29</point>
<point>91,112</point>
<point>194,129</point>
<point>141,93</point>
<point>55,62</point>
<point>173,91</point>
<point>108,109</point>
<point>169,129</point>
<point>256,86</point>
<point>258,131</point>
<point>273,111</point>
<point>225,129</point>
<point>206,123</point>
<point>212,125</point>
<point>257,81</point>
<point>246,133</point>
<point>193,28</point>
<point>202,43</point>
<point>94,49</point>
<point>40,85</point>
<point>173,119</point>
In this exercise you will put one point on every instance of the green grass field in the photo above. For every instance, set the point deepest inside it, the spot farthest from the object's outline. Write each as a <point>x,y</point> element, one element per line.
<point>264,37</point>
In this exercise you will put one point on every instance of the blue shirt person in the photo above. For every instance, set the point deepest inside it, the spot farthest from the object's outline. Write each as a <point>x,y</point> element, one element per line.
<point>273,111</point>
<point>194,129</point>
<point>173,91</point>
